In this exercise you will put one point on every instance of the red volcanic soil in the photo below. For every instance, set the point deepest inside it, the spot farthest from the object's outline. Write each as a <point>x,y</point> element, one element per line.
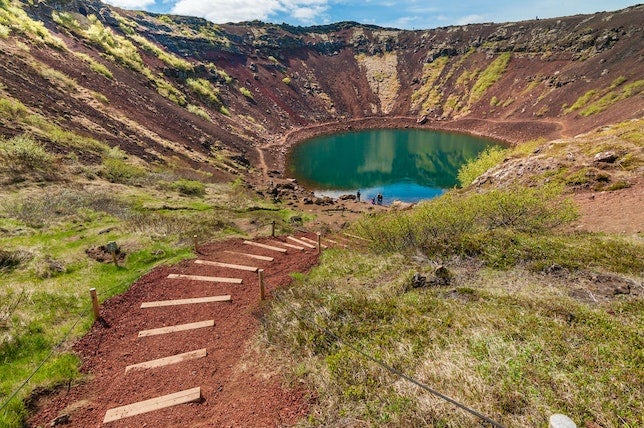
<point>237,388</point>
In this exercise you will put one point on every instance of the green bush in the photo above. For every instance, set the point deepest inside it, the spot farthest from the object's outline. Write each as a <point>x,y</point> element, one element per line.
<point>204,89</point>
<point>23,153</point>
<point>117,170</point>
<point>190,187</point>
<point>199,112</point>
<point>245,92</point>
<point>484,161</point>
<point>478,224</point>
<point>489,76</point>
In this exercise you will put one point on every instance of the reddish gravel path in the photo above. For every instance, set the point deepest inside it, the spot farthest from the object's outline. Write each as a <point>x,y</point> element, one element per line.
<point>237,391</point>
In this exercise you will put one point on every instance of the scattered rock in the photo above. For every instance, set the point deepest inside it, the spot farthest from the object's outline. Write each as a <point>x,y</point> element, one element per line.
<point>63,419</point>
<point>296,219</point>
<point>605,157</point>
<point>555,269</point>
<point>418,281</point>
<point>443,275</point>
<point>348,197</point>
<point>325,200</point>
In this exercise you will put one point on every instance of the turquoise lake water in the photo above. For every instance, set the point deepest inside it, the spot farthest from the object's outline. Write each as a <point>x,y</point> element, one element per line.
<point>408,165</point>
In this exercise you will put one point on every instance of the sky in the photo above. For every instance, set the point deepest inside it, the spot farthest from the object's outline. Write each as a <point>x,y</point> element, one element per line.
<point>404,14</point>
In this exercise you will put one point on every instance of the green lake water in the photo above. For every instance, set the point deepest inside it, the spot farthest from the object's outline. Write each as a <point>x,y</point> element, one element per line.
<point>402,164</point>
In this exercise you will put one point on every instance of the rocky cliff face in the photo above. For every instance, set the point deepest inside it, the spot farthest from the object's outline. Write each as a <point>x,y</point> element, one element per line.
<point>183,90</point>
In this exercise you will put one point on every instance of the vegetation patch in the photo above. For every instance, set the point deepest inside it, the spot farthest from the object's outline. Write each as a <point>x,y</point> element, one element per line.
<point>24,154</point>
<point>205,90</point>
<point>428,96</point>
<point>487,159</point>
<point>245,92</point>
<point>190,187</point>
<point>505,344</point>
<point>489,76</point>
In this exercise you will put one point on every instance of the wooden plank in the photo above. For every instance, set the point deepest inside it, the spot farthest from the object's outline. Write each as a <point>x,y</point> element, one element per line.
<point>340,244</point>
<point>226,265</point>
<point>181,397</point>
<point>205,278</point>
<point>355,237</point>
<point>267,247</point>
<point>176,328</point>
<point>166,361</point>
<point>295,247</point>
<point>304,238</point>
<point>192,301</point>
<point>252,256</point>
<point>306,244</point>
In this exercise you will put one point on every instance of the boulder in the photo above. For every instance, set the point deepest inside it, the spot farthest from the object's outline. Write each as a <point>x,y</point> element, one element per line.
<point>606,157</point>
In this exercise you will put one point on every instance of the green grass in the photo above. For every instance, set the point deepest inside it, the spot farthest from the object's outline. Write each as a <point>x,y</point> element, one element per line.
<point>22,153</point>
<point>167,58</point>
<point>190,187</point>
<point>45,281</point>
<point>613,96</point>
<point>12,17</point>
<point>204,89</point>
<point>510,344</point>
<point>245,92</point>
<point>489,76</point>
<point>427,95</point>
<point>95,65</point>
<point>485,160</point>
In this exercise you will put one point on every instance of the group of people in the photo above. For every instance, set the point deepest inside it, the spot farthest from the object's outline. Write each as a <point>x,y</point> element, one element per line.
<point>375,200</point>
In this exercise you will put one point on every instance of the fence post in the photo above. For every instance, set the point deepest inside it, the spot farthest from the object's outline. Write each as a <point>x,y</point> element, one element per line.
<point>262,292</point>
<point>319,242</point>
<point>112,247</point>
<point>273,228</point>
<point>92,293</point>
<point>194,241</point>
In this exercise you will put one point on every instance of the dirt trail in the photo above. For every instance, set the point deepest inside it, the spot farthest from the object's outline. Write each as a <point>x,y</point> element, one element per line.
<point>237,389</point>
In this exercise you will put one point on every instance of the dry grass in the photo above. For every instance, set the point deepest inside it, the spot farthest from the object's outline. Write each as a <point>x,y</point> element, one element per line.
<point>513,345</point>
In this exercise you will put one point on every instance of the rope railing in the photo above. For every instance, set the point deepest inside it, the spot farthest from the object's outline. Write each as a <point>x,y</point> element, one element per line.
<point>389,368</point>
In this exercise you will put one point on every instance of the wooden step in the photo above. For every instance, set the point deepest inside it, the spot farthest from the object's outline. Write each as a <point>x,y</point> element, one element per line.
<point>181,397</point>
<point>295,247</point>
<point>252,256</point>
<point>210,299</point>
<point>297,241</point>
<point>226,265</point>
<point>304,238</point>
<point>355,237</point>
<point>166,361</point>
<point>205,278</point>
<point>176,328</point>
<point>266,247</point>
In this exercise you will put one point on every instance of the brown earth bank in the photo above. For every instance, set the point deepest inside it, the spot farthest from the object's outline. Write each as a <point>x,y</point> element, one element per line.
<point>239,386</point>
<point>265,80</point>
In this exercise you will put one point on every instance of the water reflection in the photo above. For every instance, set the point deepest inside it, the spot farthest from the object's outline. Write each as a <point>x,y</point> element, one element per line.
<point>402,164</point>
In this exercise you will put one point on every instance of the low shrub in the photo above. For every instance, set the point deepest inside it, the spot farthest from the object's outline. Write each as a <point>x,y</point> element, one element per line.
<point>190,187</point>
<point>117,170</point>
<point>22,153</point>
<point>484,161</point>
<point>479,224</point>
<point>245,92</point>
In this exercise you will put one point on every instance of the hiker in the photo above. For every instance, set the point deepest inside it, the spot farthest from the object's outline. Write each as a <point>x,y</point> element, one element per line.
<point>379,198</point>
<point>358,196</point>
<point>373,201</point>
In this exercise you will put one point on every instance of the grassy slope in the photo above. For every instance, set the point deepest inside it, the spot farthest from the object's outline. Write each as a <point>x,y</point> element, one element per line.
<point>522,331</point>
<point>46,274</point>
